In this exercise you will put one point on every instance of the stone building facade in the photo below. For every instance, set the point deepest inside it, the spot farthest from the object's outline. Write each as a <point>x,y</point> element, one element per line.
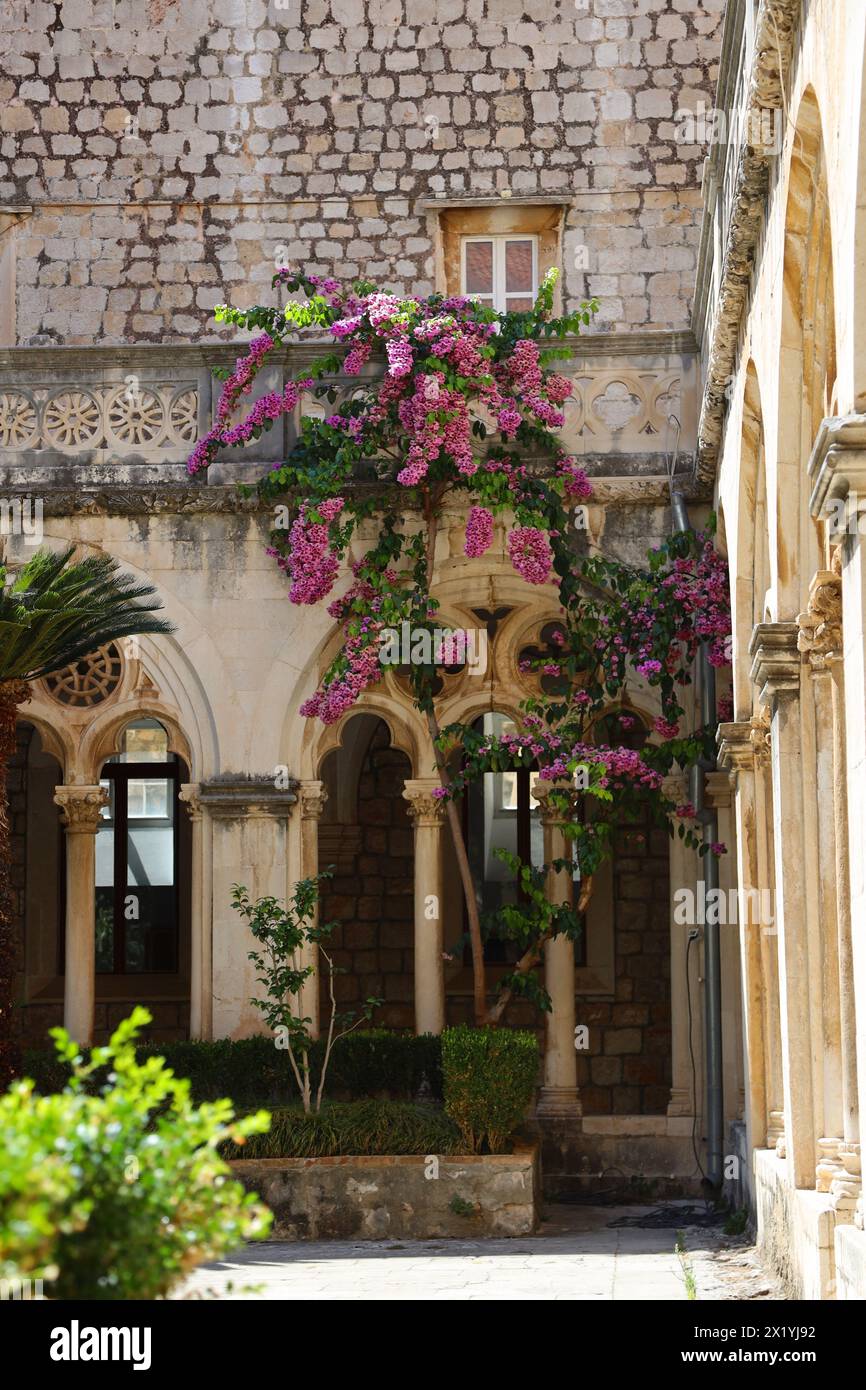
<point>780,315</point>
<point>157,159</point>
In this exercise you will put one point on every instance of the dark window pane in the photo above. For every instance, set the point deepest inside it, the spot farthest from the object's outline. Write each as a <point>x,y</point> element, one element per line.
<point>479,267</point>
<point>518,267</point>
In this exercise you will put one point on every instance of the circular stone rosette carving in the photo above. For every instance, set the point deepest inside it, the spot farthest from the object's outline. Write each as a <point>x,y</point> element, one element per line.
<point>183,415</point>
<point>87,682</point>
<point>73,420</point>
<point>19,420</point>
<point>135,417</point>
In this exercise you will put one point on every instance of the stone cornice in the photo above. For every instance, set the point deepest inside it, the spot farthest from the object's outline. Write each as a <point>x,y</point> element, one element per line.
<point>776,660</point>
<point>237,798</point>
<point>776,24</point>
<point>71,360</point>
<point>837,464</point>
<point>171,498</point>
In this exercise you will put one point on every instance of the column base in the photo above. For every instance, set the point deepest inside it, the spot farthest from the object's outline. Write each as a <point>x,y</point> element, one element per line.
<point>846,1190</point>
<point>775,1128</point>
<point>829,1165</point>
<point>559,1100</point>
<point>680,1102</point>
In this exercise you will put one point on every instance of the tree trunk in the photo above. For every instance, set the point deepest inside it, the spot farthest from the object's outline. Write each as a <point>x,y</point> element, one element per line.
<point>479,984</point>
<point>12,694</point>
<point>531,958</point>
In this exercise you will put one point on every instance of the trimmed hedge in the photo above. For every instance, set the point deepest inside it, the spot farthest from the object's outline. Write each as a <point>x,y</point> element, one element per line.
<point>364,1127</point>
<point>252,1072</point>
<point>489,1077</point>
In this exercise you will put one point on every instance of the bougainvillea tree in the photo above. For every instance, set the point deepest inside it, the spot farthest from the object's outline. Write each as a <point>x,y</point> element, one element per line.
<point>468,407</point>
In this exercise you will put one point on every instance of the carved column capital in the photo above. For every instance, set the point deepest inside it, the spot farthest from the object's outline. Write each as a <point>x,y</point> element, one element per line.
<point>736,747</point>
<point>776,661</point>
<point>425,808</point>
<point>675,788</point>
<point>189,795</point>
<point>820,627</point>
<point>80,807</point>
<point>312,796</point>
<point>549,813</point>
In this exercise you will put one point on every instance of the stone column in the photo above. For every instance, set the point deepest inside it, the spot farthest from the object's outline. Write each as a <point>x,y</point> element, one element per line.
<point>428,818</point>
<point>820,641</point>
<point>737,755</point>
<point>718,796</point>
<point>559,1093</point>
<point>683,874</point>
<point>837,471</point>
<point>776,671</point>
<point>201,918</point>
<point>312,796</point>
<point>80,807</point>
<point>249,818</point>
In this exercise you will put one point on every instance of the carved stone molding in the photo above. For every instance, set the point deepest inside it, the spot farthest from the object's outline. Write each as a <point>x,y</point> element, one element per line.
<point>77,417</point>
<point>245,798</point>
<point>820,635</point>
<point>424,808</point>
<point>81,807</point>
<point>776,661</point>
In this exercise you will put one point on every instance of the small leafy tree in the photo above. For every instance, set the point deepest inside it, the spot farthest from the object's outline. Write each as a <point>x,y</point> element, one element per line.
<point>119,1194</point>
<point>285,930</point>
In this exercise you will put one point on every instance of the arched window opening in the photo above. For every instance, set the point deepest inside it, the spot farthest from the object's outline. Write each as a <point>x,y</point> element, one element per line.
<point>137,878</point>
<point>500,812</point>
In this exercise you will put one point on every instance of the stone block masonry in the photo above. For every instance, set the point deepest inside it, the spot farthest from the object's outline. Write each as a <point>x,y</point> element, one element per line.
<point>372,1198</point>
<point>166,155</point>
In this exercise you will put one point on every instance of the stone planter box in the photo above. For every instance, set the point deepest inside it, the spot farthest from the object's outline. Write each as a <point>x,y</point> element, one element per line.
<point>350,1198</point>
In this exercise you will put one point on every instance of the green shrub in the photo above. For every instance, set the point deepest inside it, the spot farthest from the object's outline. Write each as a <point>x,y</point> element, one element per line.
<point>119,1194</point>
<point>253,1072</point>
<point>489,1076</point>
<point>363,1127</point>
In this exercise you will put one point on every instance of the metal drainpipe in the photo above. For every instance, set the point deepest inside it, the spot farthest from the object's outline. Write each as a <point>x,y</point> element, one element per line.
<point>712,941</point>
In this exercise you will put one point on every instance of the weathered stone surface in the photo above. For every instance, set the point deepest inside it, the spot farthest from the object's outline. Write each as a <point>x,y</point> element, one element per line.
<point>210,134</point>
<point>375,1198</point>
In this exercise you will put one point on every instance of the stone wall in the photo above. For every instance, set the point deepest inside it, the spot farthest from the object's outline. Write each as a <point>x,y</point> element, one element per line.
<point>16,790</point>
<point>371,896</point>
<point>627,1069</point>
<point>164,155</point>
<point>372,1198</point>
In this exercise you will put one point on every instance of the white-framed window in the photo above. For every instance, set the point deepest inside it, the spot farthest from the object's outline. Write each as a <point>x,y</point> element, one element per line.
<point>500,271</point>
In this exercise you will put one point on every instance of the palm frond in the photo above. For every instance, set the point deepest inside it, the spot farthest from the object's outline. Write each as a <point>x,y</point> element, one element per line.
<point>58,610</point>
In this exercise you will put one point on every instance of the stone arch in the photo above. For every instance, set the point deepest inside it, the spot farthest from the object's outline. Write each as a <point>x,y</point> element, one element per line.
<point>750,557</point>
<point>807,355</point>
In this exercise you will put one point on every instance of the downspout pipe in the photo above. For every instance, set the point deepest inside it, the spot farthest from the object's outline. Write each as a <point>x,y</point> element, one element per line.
<point>715,1114</point>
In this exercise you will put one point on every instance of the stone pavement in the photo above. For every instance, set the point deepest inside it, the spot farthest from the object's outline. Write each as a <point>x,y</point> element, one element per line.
<point>577,1255</point>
